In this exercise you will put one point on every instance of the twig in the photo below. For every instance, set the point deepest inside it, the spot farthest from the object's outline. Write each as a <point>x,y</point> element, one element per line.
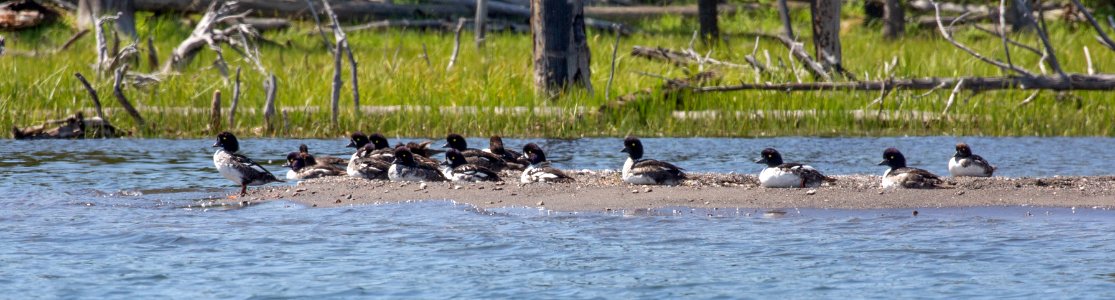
<point>215,112</point>
<point>934,89</point>
<point>948,36</point>
<point>1009,40</point>
<point>71,41</point>
<point>1106,40</point>
<point>269,85</point>
<point>952,97</point>
<point>92,94</point>
<point>1003,29</point>
<point>426,55</point>
<point>1,45</point>
<point>1044,36</point>
<point>1088,59</point>
<point>152,55</point>
<point>119,93</point>
<point>235,99</point>
<point>317,23</point>
<point>1030,98</point>
<point>456,43</point>
<point>612,74</point>
<point>793,66</point>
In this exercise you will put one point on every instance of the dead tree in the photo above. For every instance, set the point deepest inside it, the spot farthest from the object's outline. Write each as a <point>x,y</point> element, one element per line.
<point>706,16</point>
<point>89,10</point>
<point>826,33</point>
<point>561,55</point>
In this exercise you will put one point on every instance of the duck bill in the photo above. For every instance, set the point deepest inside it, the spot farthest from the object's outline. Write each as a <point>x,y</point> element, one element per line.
<point>761,160</point>
<point>624,150</point>
<point>445,146</point>
<point>217,144</point>
<point>351,144</point>
<point>883,163</point>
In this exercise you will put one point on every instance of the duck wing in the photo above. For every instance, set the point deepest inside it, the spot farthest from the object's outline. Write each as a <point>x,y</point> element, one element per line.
<point>806,172</point>
<point>250,169</point>
<point>478,172</point>
<point>659,170</point>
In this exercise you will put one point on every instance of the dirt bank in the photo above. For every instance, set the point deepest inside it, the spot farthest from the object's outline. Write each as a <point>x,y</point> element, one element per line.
<point>603,190</point>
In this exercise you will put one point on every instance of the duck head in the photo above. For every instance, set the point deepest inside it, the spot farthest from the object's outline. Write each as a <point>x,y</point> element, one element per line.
<point>227,141</point>
<point>357,140</point>
<point>770,157</point>
<point>455,141</point>
<point>893,158</point>
<point>633,147</point>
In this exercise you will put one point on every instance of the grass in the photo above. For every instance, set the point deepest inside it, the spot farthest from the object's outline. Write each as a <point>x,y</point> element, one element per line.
<point>468,99</point>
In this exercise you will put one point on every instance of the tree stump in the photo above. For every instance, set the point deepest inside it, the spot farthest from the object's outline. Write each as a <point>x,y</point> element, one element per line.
<point>560,52</point>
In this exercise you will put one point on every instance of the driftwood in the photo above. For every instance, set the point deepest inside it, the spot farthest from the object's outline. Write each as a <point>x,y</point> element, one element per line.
<point>74,127</point>
<point>235,100</point>
<point>437,25</point>
<point>270,85</point>
<point>18,15</point>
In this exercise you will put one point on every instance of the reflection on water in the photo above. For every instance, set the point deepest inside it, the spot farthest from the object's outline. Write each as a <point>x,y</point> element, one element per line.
<point>122,219</point>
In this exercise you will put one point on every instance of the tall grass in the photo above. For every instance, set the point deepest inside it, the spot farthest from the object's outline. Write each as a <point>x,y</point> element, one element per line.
<point>467,98</point>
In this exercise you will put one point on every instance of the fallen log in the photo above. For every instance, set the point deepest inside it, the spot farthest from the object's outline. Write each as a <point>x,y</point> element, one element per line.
<point>18,15</point>
<point>617,13</point>
<point>1076,82</point>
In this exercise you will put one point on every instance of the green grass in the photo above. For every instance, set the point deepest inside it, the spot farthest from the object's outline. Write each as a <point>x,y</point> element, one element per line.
<point>393,73</point>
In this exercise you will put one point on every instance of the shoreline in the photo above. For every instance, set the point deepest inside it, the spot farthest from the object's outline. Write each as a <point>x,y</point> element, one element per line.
<point>603,191</point>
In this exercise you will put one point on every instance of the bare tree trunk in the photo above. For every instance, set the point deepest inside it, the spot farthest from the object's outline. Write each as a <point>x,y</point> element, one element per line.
<point>561,55</point>
<point>89,10</point>
<point>894,20</point>
<point>706,15</point>
<point>480,22</point>
<point>826,33</point>
<point>1019,16</point>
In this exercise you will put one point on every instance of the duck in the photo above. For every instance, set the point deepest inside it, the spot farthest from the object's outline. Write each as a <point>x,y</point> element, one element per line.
<point>778,174</point>
<point>304,166</point>
<point>370,163</point>
<point>405,168</point>
<point>637,170</point>
<point>325,159</point>
<point>477,157</point>
<point>236,167</point>
<point>357,140</point>
<point>515,160</point>
<point>539,169</point>
<point>964,163</point>
<point>899,175</point>
<point>458,169</point>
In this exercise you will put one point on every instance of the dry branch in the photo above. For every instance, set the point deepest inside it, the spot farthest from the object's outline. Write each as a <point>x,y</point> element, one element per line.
<point>1104,39</point>
<point>679,58</point>
<point>92,95</point>
<point>947,34</point>
<point>215,113</point>
<point>118,91</point>
<point>206,34</point>
<point>235,100</point>
<point>269,85</point>
<point>456,44</point>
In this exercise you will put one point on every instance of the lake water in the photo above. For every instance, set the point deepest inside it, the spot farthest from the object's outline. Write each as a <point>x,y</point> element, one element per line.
<point>117,219</point>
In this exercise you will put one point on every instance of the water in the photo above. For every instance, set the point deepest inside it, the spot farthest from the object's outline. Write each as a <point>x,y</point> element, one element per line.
<point>117,219</point>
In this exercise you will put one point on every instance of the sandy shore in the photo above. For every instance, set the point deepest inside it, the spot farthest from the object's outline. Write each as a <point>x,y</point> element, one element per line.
<point>595,191</point>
